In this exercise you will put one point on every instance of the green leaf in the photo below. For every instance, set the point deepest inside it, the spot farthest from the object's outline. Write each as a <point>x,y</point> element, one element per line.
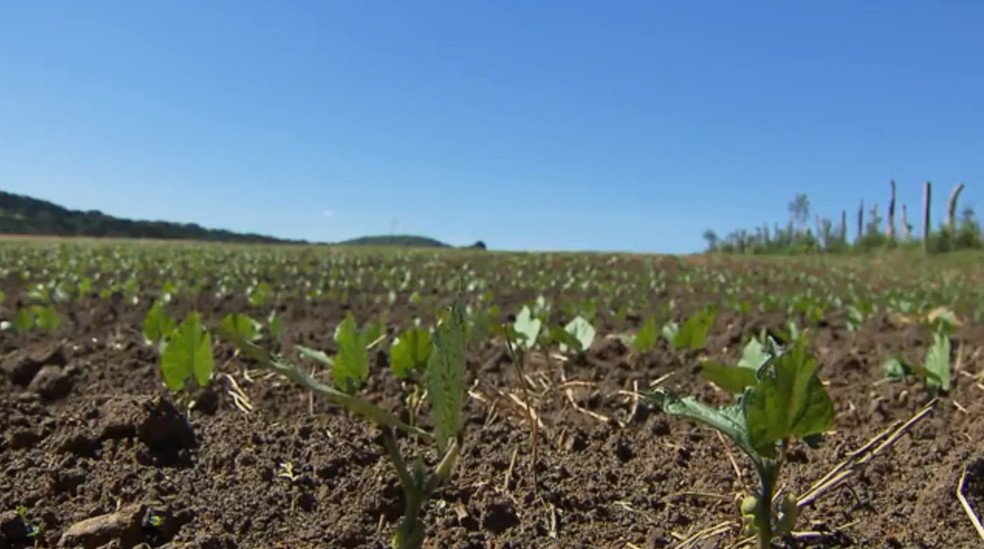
<point>352,403</point>
<point>733,379</point>
<point>938,361</point>
<point>243,325</point>
<point>24,320</point>
<point>157,325</point>
<point>693,333</point>
<point>350,367</point>
<point>445,377</point>
<point>410,352</point>
<point>314,354</point>
<point>670,332</point>
<point>276,325</point>
<point>260,294</point>
<point>582,331</point>
<point>372,333</point>
<point>565,340</point>
<point>645,339</point>
<point>753,355</point>
<point>897,369</point>
<point>787,402</point>
<point>188,354</point>
<point>728,420</point>
<point>528,327</point>
<point>46,318</point>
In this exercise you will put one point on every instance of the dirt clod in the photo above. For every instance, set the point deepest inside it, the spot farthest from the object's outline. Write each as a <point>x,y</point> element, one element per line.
<point>122,527</point>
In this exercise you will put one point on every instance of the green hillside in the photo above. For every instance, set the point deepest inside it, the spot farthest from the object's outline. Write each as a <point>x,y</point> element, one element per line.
<point>406,240</point>
<point>24,215</point>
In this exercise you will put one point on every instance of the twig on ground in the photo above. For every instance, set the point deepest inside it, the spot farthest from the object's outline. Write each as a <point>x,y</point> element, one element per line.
<point>694,539</point>
<point>509,472</point>
<point>974,519</point>
<point>860,457</point>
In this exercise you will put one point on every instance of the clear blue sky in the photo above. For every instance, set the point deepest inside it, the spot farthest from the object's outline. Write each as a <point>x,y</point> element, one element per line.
<point>626,125</point>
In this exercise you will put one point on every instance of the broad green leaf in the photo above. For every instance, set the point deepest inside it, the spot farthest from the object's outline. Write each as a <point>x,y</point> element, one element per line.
<point>753,355</point>
<point>260,294</point>
<point>46,318</point>
<point>373,332</point>
<point>188,354</point>
<point>789,401</point>
<point>157,325</point>
<point>733,379</point>
<point>693,332</point>
<point>583,332</point>
<point>445,378</point>
<point>728,420</point>
<point>350,367</point>
<point>24,320</point>
<point>528,327</point>
<point>242,325</point>
<point>645,339</point>
<point>565,341</point>
<point>938,361</point>
<point>410,352</point>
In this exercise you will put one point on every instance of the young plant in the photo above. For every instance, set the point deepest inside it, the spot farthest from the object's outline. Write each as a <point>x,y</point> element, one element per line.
<point>575,337</point>
<point>444,379</point>
<point>691,336</point>
<point>936,370</point>
<point>186,356</point>
<point>409,356</point>
<point>779,401</point>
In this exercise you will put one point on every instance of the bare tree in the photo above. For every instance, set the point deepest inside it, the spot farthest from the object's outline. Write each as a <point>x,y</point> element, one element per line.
<point>799,210</point>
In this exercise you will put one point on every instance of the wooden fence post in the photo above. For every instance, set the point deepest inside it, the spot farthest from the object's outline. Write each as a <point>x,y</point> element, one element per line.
<point>951,208</point>
<point>860,222</point>
<point>890,227</point>
<point>927,206</point>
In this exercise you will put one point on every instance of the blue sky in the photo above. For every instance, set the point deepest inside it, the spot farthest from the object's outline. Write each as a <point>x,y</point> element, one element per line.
<point>565,125</point>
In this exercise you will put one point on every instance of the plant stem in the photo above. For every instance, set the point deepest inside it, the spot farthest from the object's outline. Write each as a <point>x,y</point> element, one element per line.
<point>410,532</point>
<point>768,474</point>
<point>519,360</point>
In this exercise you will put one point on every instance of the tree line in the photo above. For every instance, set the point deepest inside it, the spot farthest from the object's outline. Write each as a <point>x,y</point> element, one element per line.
<point>873,230</point>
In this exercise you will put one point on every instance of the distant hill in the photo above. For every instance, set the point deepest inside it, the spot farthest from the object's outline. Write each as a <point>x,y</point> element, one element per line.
<point>406,240</point>
<point>24,215</point>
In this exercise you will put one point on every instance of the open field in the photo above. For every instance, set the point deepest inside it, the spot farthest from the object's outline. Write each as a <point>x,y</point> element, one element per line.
<point>90,430</point>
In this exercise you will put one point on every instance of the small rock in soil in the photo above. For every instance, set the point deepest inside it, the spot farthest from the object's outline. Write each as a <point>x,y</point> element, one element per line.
<point>79,444</point>
<point>123,527</point>
<point>164,427</point>
<point>52,383</point>
<point>21,366</point>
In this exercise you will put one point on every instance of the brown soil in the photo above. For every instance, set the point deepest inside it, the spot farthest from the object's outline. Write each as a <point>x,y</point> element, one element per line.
<point>93,451</point>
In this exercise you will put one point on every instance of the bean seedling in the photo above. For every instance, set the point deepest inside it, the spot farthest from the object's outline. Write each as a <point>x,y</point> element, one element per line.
<point>777,402</point>
<point>444,379</point>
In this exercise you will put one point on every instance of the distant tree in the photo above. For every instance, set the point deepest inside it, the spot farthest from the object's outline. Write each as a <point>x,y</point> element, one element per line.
<point>799,210</point>
<point>712,239</point>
